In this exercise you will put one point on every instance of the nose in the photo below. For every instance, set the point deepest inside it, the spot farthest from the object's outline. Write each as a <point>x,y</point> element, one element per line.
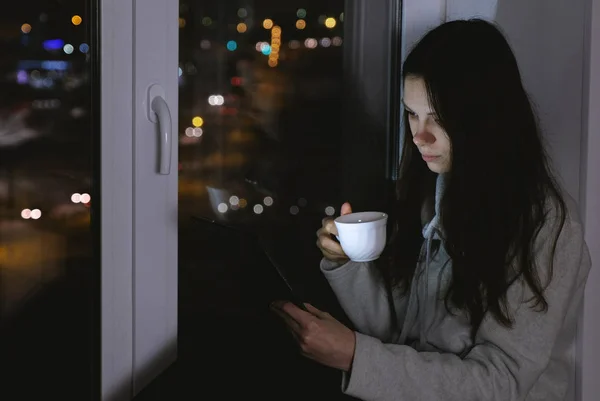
<point>423,137</point>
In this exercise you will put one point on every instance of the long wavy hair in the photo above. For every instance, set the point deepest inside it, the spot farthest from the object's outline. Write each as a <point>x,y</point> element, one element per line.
<point>498,190</point>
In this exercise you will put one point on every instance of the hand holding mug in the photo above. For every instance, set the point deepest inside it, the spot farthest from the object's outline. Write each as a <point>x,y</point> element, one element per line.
<point>361,236</point>
<point>331,249</point>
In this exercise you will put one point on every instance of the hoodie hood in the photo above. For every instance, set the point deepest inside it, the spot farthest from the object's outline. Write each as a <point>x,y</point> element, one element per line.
<point>419,294</point>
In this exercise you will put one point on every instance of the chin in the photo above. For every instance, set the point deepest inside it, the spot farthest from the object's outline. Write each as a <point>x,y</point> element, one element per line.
<point>438,169</point>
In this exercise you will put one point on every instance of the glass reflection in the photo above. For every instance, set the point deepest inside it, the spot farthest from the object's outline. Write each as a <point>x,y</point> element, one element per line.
<point>46,266</point>
<point>260,106</point>
<point>260,131</point>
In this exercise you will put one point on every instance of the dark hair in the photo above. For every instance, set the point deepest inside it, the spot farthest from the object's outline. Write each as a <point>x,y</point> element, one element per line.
<point>496,200</point>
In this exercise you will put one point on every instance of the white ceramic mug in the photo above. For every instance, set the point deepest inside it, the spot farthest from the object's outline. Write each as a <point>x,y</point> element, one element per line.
<point>362,235</point>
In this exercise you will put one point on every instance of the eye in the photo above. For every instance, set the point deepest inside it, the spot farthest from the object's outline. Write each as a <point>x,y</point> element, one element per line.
<point>411,114</point>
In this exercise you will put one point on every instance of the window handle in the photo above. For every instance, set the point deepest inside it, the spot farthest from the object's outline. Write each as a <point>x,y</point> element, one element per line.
<point>160,114</point>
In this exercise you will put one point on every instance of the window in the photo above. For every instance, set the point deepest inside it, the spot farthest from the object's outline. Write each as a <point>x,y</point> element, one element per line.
<point>49,269</point>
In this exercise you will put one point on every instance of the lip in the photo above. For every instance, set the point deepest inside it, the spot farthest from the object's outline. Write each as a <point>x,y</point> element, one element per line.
<point>428,158</point>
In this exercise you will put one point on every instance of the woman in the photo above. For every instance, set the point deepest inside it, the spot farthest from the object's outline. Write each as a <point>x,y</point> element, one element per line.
<point>479,293</point>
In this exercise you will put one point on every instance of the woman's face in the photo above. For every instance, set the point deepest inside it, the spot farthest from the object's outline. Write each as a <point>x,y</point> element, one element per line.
<point>429,137</point>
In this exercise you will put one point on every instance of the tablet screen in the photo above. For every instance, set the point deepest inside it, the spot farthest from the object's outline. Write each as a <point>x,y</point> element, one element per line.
<point>261,243</point>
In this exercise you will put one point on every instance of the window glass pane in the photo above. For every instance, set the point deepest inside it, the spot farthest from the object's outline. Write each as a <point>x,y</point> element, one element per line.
<point>260,133</point>
<point>47,272</point>
<point>260,108</point>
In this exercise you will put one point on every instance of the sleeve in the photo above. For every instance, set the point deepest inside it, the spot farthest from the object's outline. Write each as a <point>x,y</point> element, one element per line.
<point>362,294</point>
<point>504,364</point>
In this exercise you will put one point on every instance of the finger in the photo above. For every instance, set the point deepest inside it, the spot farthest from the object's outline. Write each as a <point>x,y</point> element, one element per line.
<point>346,209</point>
<point>295,335</point>
<point>302,318</point>
<point>336,257</point>
<point>322,231</point>
<point>289,321</point>
<point>326,243</point>
<point>330,247</point>
<point>331,255</point>
<point>326,220</point>
<point>330,227</point>
<point>315,311</point>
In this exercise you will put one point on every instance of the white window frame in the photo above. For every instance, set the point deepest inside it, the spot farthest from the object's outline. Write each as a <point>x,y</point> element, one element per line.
<point>139,47</point>
<point>116,184</point>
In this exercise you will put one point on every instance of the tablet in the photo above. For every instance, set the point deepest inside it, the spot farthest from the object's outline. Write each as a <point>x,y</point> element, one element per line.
<point>263,246</point>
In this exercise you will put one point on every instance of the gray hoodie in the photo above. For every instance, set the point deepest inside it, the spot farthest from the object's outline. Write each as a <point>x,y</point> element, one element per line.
<point>431,357</point>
